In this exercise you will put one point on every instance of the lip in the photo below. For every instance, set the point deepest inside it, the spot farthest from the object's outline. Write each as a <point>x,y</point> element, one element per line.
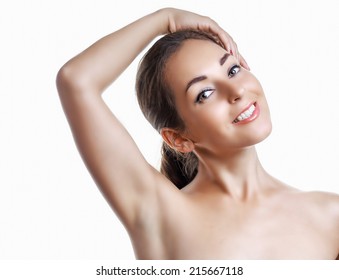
<point>254,115</point>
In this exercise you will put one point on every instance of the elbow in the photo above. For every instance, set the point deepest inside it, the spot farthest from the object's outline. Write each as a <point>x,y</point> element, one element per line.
<point>62,80</point>
<point>66,80</point>
<point>69,81</point>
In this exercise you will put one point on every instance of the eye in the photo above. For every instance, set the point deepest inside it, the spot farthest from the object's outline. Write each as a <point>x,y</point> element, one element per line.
<point>204,94</point>
<point>233,71</point>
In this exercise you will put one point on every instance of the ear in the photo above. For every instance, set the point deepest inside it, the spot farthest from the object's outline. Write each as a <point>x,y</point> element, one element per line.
<point>176,141</point>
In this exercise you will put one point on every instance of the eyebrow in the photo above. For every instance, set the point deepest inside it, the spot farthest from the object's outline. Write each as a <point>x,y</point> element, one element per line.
<point>203,77</point>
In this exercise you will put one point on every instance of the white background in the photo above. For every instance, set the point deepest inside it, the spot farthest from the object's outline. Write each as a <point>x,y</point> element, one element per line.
<point>49,206</point>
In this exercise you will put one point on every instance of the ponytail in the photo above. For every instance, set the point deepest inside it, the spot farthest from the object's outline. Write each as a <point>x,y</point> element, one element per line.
<point>179,168</point>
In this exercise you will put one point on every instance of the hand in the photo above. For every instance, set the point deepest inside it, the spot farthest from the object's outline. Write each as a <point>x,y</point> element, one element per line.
<point>181,20</point>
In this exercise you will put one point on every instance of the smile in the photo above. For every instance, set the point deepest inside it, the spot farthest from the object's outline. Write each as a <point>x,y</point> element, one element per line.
<point>248,115</point>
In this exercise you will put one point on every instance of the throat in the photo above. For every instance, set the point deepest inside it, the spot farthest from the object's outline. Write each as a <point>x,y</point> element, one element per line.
<point>241,176</point>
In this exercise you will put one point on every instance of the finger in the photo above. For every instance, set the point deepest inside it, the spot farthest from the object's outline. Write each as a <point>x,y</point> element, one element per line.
<point>232,47</point>
<point>243,63</point>
<point>234,50</point>
<point>226,40</point>
<point>222,35</point>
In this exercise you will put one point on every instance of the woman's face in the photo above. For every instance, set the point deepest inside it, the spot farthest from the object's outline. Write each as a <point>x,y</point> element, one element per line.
<point>222,105</point>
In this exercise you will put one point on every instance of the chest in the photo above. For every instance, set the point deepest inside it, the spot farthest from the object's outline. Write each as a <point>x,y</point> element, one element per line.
<point>258,233</point>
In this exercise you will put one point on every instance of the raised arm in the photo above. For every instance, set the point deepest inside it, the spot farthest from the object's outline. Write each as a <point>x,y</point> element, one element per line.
<point>126,180</point>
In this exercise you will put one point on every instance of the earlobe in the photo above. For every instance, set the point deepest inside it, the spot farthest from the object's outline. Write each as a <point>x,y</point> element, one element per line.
<point>176,141</point>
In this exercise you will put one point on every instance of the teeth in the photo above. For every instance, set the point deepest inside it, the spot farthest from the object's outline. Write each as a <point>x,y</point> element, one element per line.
<point>245,114</point>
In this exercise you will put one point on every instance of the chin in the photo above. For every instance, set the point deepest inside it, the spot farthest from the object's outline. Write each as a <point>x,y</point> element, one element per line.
<point>259,133</point>
<point>263,128</point>
<point>264,131</point>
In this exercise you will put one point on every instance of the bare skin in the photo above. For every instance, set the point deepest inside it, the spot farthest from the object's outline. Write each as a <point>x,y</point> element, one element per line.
<point>233,209</point>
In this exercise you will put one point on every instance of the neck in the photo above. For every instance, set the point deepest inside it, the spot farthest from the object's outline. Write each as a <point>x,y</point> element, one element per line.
<point>239,173</point>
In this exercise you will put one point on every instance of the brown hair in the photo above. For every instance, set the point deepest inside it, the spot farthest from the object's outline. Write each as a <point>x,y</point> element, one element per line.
<point>157,102</point>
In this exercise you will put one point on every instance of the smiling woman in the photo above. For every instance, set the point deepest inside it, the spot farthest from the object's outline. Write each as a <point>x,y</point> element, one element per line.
<point>210,111</point>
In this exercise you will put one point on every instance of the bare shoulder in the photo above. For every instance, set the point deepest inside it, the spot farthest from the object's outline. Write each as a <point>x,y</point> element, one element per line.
<point>324,205</point>
<point>319,211</point>
<point>326,200</point>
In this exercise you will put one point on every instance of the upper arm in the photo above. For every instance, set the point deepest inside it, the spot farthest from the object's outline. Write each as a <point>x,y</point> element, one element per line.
<point>110,154</point>
<point>334,207</point>
<point>332,203</point>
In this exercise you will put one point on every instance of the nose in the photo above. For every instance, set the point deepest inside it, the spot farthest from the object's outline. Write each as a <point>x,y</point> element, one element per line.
<point>234,93</point>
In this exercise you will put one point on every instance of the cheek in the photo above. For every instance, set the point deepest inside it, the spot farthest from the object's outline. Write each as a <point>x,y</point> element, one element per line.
<point>252,84</point>
<point>206,123</point>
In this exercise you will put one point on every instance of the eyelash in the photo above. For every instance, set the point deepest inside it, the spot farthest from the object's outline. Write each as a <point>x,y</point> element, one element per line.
<point>200,98</point>
<point>232,68</point>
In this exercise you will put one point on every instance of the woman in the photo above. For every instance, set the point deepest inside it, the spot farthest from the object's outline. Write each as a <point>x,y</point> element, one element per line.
<point>212,199</point>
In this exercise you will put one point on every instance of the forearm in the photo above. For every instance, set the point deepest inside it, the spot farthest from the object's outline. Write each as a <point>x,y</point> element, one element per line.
<point>99,65</point>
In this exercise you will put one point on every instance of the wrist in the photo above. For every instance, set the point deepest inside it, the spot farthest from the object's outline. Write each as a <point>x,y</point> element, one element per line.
<point>164,20</point>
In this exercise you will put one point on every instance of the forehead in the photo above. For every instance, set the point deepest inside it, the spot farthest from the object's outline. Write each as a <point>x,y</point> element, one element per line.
<point>194,58</point>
